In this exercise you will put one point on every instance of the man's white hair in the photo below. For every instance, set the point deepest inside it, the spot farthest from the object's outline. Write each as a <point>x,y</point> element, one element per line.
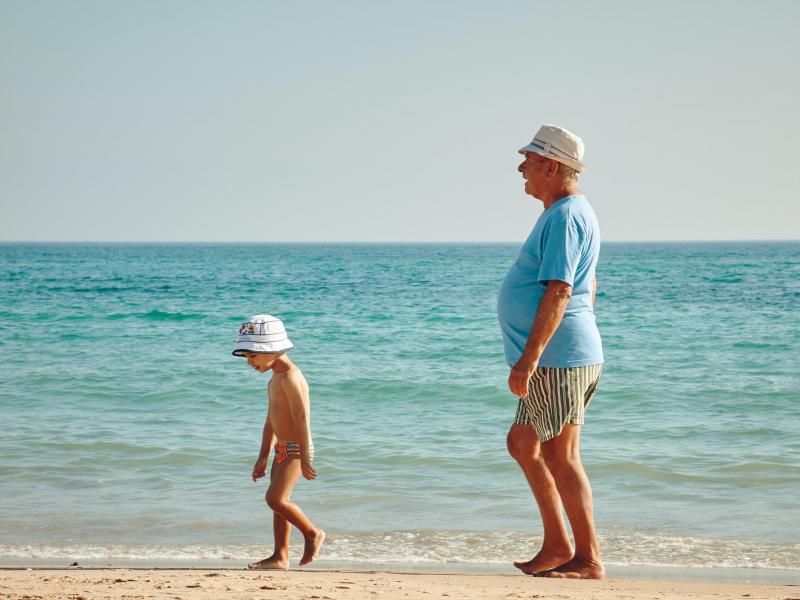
<point>567,172</point>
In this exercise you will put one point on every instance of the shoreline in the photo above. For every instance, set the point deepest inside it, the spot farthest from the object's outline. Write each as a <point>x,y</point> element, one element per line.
<point>666,574</point>
<point>197,584</point>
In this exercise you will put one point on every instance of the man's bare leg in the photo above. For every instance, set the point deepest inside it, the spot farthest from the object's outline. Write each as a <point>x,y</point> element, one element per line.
<point>284,478</point>
<point>562,455</point>
<point>524,447</point>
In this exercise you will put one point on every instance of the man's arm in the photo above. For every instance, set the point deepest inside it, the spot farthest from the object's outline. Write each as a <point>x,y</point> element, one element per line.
<point>594,290</point>
<point>548,317</point>
<point>297,408</point>
<point>267,437</point>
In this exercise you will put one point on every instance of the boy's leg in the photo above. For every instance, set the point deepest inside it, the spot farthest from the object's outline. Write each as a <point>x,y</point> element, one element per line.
<point>280,555</point>
<point>284,478</point>
<point>281,530</point>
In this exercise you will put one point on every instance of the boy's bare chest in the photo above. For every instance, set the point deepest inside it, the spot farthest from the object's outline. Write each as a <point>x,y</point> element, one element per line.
<point>278,402</point>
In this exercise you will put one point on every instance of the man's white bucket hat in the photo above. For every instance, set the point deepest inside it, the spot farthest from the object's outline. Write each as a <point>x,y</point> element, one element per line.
<point>262,334</point>
<point>558,144</point>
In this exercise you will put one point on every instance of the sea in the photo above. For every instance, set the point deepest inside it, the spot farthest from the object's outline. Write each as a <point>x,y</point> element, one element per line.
<point>128,430</point>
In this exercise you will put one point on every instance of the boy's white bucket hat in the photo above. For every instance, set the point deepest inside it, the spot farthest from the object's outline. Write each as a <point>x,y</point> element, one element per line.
<point>262,334</point>
<point>558,144</point>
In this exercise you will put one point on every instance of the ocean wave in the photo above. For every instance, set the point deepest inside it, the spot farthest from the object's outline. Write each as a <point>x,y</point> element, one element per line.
<point>156,315</point>
<point>160,315</point>
<point>83,289</point>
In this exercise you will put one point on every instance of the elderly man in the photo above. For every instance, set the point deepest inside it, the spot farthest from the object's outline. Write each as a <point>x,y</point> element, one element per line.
<point>545,310</point>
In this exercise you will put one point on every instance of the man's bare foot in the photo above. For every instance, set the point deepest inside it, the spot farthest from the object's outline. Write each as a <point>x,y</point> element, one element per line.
<point>577,568</point>
<point>270,563</point>
<point>313,544</point>
<point>544,561</point>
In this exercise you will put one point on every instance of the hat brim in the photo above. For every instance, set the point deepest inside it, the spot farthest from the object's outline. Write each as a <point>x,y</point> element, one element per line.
<point>243,348</point>
<point>570,162</point>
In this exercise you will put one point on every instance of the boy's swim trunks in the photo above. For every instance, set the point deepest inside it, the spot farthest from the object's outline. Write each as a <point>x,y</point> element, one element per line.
<point>556,397</point>
<point>289,450</point>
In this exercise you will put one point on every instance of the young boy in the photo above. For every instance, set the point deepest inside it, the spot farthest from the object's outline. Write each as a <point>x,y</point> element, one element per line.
<point>263,341</point>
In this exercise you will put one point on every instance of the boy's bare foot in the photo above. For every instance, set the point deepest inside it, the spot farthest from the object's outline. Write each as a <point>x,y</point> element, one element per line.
<point>270,563</point>
<point>313,544</point>
<point>577,568</point>
<point>544,561</point>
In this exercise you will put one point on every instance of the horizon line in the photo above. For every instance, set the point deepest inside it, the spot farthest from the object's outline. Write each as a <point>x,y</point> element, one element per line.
<point>386,242</point>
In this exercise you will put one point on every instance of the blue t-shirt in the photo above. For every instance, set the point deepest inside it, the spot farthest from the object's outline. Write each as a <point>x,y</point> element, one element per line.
<point>564,245</point>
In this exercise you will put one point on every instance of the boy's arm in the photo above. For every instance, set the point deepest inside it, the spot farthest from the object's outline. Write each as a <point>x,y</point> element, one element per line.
<point>292,387</point>
<point>267,437</point>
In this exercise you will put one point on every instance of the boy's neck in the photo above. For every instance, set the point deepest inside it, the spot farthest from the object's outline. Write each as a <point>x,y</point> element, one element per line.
<point>282,364</point>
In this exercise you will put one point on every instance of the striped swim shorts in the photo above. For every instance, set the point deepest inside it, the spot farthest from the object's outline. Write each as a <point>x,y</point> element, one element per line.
<point>557,397</point>
<point>290,450</point>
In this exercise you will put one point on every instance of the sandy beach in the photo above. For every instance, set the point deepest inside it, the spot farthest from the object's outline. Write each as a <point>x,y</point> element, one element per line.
<point>190,584</point>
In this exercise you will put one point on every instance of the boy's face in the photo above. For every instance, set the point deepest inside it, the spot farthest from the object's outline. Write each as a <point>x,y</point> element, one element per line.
<point>261,362</point>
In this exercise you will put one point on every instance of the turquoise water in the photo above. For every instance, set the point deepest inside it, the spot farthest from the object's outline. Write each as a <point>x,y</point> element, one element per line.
<point>127,430</point>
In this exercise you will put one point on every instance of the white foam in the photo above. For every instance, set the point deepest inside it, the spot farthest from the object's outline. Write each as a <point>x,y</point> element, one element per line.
<point>444,547</point>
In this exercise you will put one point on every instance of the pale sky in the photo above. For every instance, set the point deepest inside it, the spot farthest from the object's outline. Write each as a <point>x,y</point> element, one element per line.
<point>392,121</point>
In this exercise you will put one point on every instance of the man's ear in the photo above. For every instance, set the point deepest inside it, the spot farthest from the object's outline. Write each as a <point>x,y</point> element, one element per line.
<point>552,167</point>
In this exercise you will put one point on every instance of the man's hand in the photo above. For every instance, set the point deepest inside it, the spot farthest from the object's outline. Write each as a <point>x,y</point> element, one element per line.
<point>307,469</point>
<point>520,375</point>
<point>260,468</point>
